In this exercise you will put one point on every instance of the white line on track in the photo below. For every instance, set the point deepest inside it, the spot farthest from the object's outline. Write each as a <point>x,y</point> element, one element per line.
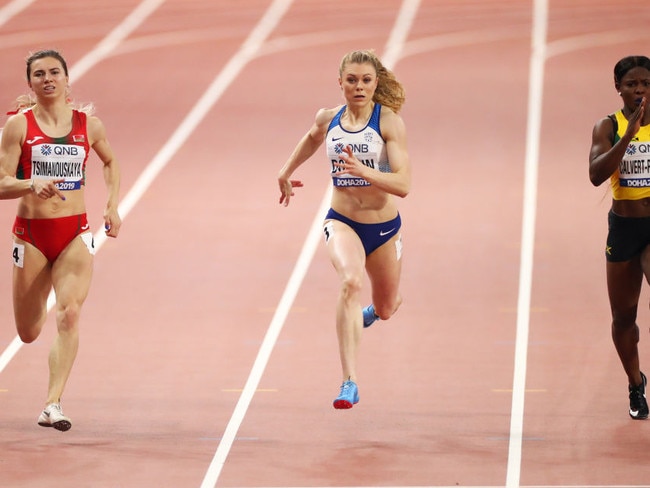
<point>591,40</point>
<point>219,85</point>
<point>115,37</point>
<point>13,8</point>
<point>535,93</point>
<point>492,486</point>
<point>397,39</point>
<point>103,49</point>
<point>393,49</point>
<point>463,38</point>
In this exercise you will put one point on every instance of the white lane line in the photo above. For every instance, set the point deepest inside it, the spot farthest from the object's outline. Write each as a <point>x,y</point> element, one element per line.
<point>591,40</point>
<point>115,37</point>
<point>110,42</point>
<point>218,86</point>
<point>397,38</point>
<point>489,486</point>
<point>534,122</point>
<point>12,9</point>
<point>393,49</point>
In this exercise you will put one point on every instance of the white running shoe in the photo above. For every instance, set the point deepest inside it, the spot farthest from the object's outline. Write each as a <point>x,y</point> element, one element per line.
<point>52,416</point>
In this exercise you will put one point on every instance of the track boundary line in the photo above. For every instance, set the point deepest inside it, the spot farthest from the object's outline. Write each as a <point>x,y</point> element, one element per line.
<point>533,130</point>
<point>109,43</point>
<point>13,8</point>
<point>94,56</point>
<point>587,41</point>
<point>487,486</point>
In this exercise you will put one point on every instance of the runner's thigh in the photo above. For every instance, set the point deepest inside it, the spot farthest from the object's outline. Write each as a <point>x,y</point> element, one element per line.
<point>32,282</point>
<point>344,248</point>
<point>384,267</point>
<point>72,272</point>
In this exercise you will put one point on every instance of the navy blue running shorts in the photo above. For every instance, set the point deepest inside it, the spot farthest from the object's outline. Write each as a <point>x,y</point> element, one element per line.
<point>372,235</point>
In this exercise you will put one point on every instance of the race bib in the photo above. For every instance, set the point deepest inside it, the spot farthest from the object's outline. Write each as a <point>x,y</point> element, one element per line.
<point>59,162</point>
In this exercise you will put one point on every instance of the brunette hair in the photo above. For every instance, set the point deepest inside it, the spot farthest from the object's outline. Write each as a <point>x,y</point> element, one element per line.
<point>45,53</point>
<point>627,63</point>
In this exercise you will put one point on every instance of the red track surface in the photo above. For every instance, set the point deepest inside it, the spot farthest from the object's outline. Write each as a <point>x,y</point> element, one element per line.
<point>181,302</point>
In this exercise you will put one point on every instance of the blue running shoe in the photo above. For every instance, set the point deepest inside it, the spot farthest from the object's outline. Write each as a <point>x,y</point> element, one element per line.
<point>369,316</point>
<point>348,397</point>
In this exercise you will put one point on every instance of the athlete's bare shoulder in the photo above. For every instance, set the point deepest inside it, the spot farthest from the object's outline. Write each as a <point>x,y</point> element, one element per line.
<point>15,128</point>
<point>325,115</point>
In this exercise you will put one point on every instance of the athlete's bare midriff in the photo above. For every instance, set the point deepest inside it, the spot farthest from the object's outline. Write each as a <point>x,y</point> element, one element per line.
<point>364,204</point>
<point>632,208</point>
<point>32,207</point>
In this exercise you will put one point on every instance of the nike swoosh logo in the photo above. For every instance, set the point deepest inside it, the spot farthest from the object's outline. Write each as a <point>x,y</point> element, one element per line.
<point>36,138</point>
<point>85,227</point>
<point>382,233</point>
<point>334,139</point>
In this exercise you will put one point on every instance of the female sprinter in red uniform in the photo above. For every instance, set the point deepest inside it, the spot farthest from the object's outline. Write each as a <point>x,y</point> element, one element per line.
<point>369,163</point>
<point>43,154</point>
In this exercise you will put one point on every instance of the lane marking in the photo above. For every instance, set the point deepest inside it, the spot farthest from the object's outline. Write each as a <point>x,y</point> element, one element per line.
<point>532,309</point>
<point>528,390</point>
<point>13,8</point>
<point>102,50</point>
<point>311,39</point>
<point>128,25</point>
<point>239,390</point>
<point>535,93</point>
<point>494,486</point>
<point>54,36</point>
<point>588,41</point>
<point>463,38</point>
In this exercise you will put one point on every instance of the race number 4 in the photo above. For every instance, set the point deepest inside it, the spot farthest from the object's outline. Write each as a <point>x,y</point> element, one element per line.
<point>19,255</point>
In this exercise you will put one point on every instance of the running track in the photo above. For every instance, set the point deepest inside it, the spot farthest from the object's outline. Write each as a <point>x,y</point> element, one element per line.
<point>208,354</point>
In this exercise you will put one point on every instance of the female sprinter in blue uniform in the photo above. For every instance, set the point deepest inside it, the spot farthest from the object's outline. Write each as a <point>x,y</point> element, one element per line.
<point>366,148</point>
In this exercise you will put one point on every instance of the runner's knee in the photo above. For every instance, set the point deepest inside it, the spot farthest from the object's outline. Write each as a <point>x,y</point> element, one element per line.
<point>623,319</point>
<point>28,331</point>
<point>351,286</point>
<point>29,321</point>
<point>68,317</point>
<point>386,310</point>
